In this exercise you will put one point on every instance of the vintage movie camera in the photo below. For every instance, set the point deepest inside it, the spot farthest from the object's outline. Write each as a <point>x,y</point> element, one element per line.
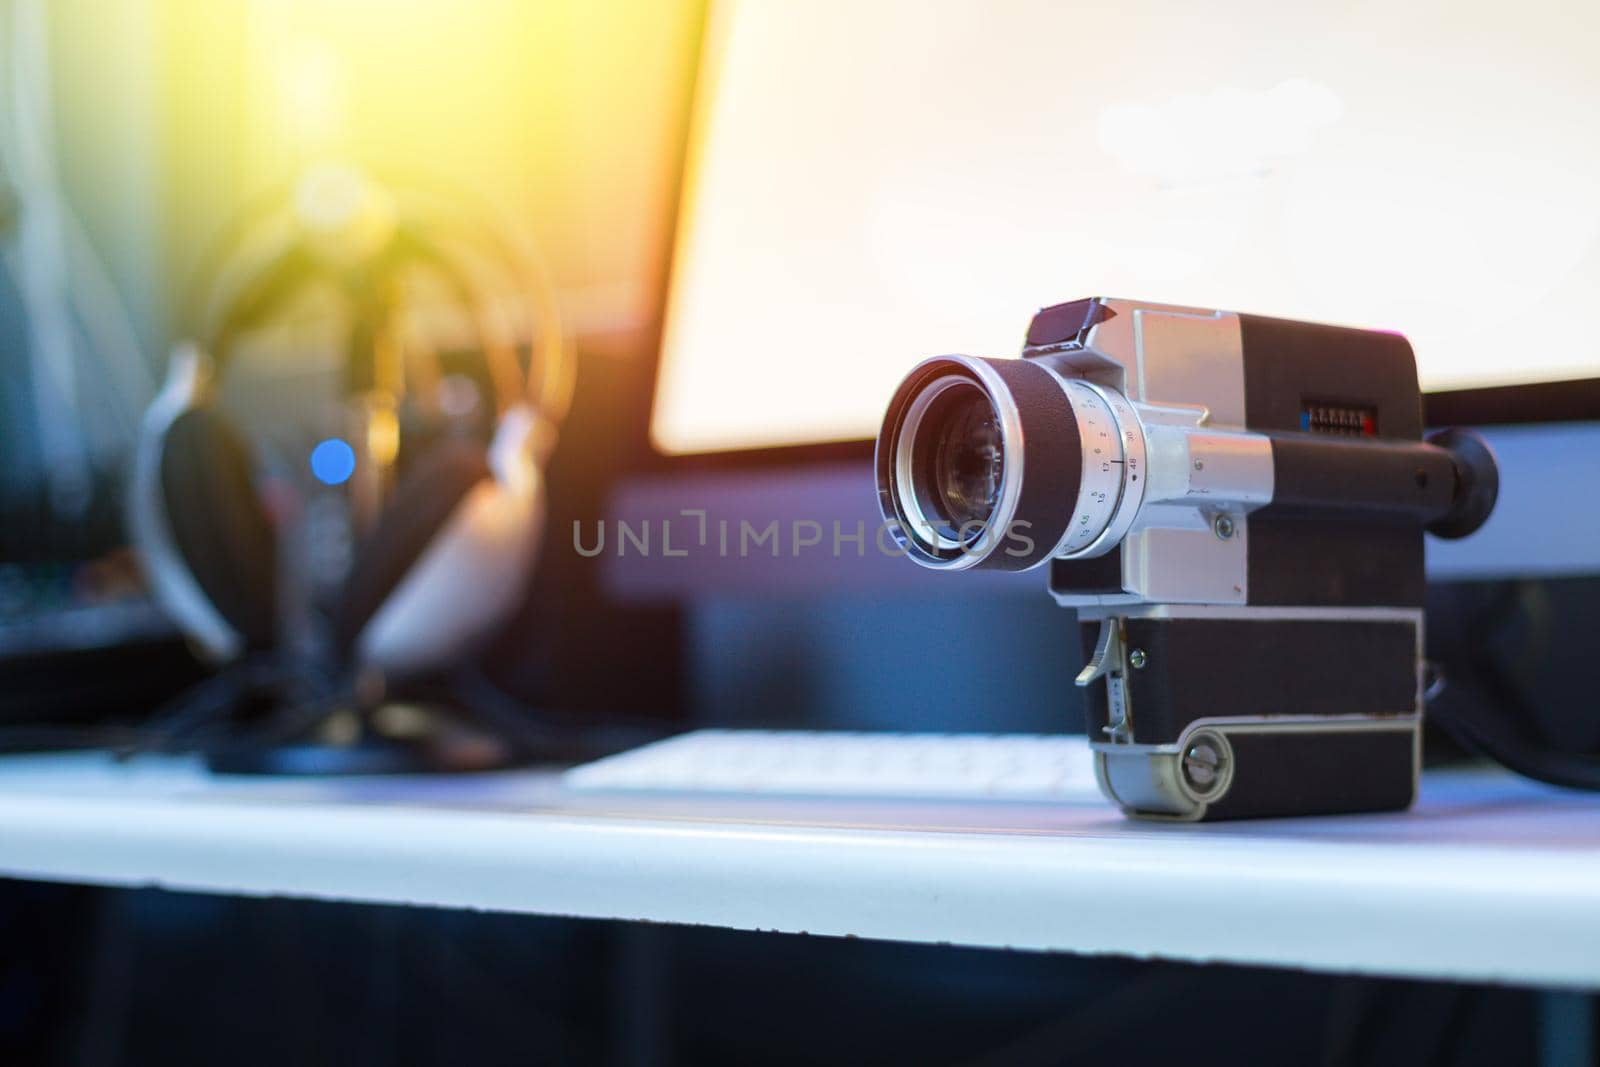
<point>1235,505</point>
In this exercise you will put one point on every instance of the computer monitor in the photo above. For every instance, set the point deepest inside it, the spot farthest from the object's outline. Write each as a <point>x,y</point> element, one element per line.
<point>869,184</point>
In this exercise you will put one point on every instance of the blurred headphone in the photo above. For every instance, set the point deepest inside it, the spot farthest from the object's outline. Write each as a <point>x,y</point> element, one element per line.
<point>448,553</point>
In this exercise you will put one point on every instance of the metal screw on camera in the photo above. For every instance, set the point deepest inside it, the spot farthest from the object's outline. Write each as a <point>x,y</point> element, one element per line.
<point>1223,526</point>
<point>1138,658</point>
<point>1202,766</point>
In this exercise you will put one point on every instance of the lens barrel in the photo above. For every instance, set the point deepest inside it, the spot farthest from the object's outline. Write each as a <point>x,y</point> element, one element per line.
<point>979,463</point>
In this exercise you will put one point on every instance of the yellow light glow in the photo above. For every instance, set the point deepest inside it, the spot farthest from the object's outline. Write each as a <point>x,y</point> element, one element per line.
<point>561,114</point>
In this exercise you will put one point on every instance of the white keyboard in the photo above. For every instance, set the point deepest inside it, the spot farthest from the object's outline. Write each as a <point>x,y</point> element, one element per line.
<point>1019,767</point>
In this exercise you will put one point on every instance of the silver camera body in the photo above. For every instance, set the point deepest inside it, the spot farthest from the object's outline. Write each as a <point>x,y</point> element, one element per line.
<point>1235,506</point>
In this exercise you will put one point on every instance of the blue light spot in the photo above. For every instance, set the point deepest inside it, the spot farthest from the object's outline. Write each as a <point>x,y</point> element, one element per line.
<point>333,461</point>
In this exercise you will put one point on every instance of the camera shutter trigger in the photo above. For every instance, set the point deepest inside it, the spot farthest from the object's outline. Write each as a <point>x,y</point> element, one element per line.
<point>1107,651</point>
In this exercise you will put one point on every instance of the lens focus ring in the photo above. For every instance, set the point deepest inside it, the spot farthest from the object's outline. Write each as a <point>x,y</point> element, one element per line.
<point>1113,470</point>
<point>1101,486</point>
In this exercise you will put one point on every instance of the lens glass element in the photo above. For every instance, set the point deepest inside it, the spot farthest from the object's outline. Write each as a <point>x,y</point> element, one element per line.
<point>957,460</point>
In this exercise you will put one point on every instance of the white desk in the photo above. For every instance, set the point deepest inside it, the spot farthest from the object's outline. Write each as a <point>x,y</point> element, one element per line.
<point>1489,879</point>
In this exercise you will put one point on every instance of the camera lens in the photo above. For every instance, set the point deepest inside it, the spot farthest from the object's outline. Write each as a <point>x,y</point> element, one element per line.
<point>950,463</point>
<point>958,461</point>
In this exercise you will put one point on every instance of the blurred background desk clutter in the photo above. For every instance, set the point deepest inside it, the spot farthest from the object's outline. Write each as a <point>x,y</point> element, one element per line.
<point>446,613</point>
